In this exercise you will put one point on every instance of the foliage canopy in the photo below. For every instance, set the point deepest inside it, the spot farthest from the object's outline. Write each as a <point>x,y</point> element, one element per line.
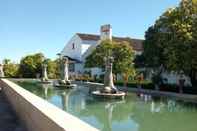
<point>122,52</point>
<point>172,40</point>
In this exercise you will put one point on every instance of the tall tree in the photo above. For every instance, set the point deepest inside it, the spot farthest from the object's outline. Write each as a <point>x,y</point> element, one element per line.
<point>10,68</point>
<point>53,68</point>
<point>31,65</point>
<point>171,41</point>
<point>123,57</point>
<point>96,58</point>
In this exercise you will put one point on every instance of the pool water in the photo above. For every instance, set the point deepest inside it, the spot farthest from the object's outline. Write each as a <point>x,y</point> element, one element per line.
<point>134,113</point>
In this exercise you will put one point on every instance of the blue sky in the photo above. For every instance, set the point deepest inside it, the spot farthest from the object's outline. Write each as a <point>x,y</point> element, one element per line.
<point>30,26</point>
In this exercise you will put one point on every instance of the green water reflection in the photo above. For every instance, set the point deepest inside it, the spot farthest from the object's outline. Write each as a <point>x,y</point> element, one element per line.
<point>135,113</point>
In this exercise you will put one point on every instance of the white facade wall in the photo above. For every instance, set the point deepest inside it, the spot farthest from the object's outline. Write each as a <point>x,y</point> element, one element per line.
<point>75,53</point>
<point>80,47</point>
<point>96,71</point>
<point>79,68</point>
<point>173,78</point>
<point>84,48</point>
<point>137,52</point>
<point>86,44</point>
<point>93,45</point>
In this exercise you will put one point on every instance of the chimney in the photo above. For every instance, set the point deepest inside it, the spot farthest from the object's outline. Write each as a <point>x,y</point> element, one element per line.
<point>106,32</point>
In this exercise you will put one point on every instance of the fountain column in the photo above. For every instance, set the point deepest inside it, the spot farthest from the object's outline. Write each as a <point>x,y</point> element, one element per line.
<point>1,71</point>
<point>109,90</point>
<point>66,69</point>
<point>64,76</point>
<point>44,72</point>
<point>108,78</point>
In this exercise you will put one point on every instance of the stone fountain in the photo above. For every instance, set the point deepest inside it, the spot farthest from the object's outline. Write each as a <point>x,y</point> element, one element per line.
<point>44,79</point>
<point>64,77</point>
<point>1,71</point>
<point>109,90</point>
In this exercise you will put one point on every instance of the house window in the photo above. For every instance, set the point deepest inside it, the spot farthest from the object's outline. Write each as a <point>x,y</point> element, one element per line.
<point>73,46</point>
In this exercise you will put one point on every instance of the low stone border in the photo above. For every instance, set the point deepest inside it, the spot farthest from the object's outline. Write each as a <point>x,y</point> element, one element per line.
<point>177,96</point>
<point>38,114</point>
<point>89,84</point>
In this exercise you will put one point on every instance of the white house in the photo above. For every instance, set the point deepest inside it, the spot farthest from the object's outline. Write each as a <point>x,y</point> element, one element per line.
<point>81,45</point>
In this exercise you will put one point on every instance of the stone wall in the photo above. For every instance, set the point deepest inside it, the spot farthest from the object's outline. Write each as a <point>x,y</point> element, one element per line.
<point>38,114</point>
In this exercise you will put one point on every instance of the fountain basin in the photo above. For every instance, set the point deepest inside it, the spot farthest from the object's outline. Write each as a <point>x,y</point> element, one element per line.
<point>65,86</point>
<point>45,82</point>
<point>118,95</point>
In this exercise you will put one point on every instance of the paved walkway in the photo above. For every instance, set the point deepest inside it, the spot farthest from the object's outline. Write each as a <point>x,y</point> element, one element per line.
<point>8,118</point>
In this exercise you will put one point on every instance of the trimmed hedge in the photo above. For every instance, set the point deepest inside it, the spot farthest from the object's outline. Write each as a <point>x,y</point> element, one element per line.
<point>175,88</point>
<point>134,84</point>
<point>150,86</point>
<point>163,87</point>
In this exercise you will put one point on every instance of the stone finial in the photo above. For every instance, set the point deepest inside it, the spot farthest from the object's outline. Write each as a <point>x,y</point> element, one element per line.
<point>64,63</point>
<point>108,78</point>
<point>109,90</point>
<point>44,72</point>
<point>66,69</point>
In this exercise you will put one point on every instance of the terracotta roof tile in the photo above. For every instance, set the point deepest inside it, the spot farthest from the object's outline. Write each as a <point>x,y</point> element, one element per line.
<point>89,37</point>
<point>137,44</point>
